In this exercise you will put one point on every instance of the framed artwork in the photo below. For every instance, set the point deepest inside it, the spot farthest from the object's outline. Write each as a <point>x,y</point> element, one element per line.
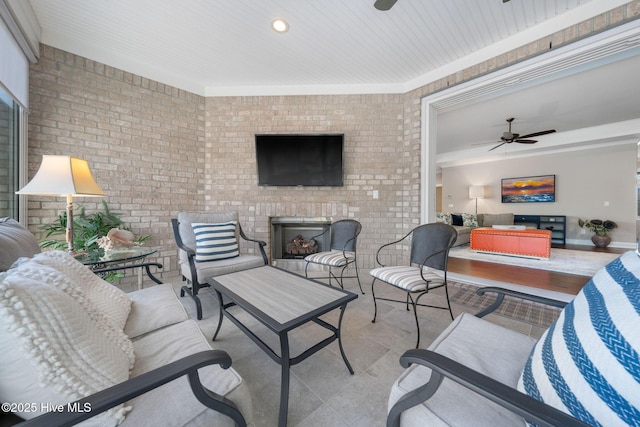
<point>529,189</point>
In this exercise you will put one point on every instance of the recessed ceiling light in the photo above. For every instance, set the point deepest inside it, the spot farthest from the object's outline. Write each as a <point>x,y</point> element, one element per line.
<point>280,25</point>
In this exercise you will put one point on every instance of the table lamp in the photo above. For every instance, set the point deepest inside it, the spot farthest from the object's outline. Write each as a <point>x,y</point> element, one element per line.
<point>476,192</point>
<point>63,176</point>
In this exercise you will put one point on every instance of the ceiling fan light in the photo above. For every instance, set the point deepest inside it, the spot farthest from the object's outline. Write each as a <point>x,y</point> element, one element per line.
<point>279,25</point>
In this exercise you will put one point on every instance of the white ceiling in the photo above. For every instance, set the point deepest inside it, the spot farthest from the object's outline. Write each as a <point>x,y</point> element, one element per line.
<point>227,48</point>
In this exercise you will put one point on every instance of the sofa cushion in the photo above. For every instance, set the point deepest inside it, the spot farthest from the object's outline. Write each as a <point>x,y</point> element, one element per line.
<point>444,218</point>
<point>180,407</point>
<point>456,219</point>
<point>50,276</point>
<point>588,362</point>
<point>15,242</point>
<point>154,308</point>
<point>469,220</point>
<point>481,345</point>
<point>51,351</point>
<point>215,241</point>
<point>111,301</point>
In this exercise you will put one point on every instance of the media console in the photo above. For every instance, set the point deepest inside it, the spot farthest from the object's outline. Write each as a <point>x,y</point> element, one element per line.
<point>557,224</point>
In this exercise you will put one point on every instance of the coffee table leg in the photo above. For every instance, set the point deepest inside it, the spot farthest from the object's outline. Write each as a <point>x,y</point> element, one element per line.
<point>284,384</point>
<point>220,315</point>
<point>339,332</point>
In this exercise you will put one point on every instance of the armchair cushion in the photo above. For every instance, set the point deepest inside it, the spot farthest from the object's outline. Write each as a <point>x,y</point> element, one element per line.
<point>407,277</point>
<point>587,363</point>
<point>215,241</point>
<point>486,347</point>
<point>63,354</point>
<point>331,258</point>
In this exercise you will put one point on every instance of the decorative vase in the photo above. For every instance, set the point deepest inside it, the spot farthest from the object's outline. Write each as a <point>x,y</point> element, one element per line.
<point>600,241</point>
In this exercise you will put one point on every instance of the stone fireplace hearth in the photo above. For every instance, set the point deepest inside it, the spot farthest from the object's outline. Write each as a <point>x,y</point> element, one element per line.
<point>292,238</point>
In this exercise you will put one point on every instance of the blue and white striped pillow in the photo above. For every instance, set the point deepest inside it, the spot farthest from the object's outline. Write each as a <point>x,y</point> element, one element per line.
<point>215,241</point>
<point>587,363</point>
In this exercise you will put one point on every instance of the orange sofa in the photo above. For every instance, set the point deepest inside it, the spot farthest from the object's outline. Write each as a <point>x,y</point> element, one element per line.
<point>530,243</point>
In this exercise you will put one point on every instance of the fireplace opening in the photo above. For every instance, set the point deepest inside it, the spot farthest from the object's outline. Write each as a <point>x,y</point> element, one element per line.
<point>293,238</point>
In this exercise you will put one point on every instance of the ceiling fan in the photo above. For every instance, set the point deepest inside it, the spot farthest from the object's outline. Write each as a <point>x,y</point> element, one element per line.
<point>384,4</point>
<point>509,137</point>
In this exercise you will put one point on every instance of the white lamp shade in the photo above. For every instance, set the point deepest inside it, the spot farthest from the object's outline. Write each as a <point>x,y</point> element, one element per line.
<point>476,192</point>
<point>63,176</point>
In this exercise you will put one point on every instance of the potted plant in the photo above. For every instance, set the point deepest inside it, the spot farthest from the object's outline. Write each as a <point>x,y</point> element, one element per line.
<point>601,228</point>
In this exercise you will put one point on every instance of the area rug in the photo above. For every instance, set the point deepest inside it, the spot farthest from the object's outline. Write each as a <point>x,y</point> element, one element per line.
<point>514,308</point>
<point>583,263</point>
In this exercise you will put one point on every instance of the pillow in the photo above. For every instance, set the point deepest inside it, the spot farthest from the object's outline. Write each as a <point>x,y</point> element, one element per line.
<point>51,351</point>
<point>215,241</point>
<point>456,219</point>
<point>49,276</point>
<point>15,242</point>
<point>469,220</point>
<point>587,363</point>
<point>443,218</point>
<point>109,300</point>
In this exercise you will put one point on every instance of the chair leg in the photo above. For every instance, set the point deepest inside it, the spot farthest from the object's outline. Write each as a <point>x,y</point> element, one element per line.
<point>358,277</point>
<point>306,268</point>
<point>415,315</point>
<point>375,305</point>
<point>195,298</point>
<point>446,292</point>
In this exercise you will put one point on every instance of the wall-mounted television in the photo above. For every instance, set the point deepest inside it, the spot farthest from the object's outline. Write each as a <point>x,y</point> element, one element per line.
<point>529,189</point>
<point>300,160</point>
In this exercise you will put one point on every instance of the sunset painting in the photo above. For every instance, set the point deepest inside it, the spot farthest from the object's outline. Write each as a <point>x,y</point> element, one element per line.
<point>529,189</point>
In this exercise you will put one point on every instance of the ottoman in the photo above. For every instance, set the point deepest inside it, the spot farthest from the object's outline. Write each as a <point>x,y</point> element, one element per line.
<point>530,243</point>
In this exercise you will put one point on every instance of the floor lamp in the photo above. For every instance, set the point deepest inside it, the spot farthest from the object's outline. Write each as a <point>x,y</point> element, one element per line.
<point>476,192</point>
<point>67,177</point>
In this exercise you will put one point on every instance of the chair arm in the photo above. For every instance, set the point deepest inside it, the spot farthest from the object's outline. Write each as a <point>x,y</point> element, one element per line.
<point>389,244</point>
<point>261,244</point>
<point>127,390</point>
<point>526,406</point>
<point>508,292</point>
<point>176,234</point>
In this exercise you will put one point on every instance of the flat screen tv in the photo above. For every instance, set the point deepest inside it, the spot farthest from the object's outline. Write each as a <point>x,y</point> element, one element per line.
<point>300,160</point>
<point>529,189</point>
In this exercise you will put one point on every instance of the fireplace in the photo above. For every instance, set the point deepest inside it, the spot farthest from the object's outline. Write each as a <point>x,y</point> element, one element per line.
<point>292,239</point>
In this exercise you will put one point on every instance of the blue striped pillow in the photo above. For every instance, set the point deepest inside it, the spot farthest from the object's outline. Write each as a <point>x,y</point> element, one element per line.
<point>215,241</point>
<point>587,363</point>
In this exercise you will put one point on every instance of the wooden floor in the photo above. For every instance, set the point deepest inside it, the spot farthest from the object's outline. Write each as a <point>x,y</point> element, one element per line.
<point>543,279</point>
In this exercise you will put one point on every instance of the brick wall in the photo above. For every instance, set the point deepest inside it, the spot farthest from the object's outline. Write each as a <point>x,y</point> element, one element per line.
<point>156,150</point>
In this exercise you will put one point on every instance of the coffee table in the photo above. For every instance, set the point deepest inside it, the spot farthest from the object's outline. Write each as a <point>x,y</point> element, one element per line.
<point>282,301</point>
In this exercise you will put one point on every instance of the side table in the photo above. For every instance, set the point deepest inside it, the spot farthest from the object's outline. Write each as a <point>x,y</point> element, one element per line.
<point>121,259</point>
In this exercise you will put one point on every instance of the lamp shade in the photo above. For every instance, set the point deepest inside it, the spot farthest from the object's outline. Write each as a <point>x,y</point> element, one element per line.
<point>476,192</point>
<point>63,176</point>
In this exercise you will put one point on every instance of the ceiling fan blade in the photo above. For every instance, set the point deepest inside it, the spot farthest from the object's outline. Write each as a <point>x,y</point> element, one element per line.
<point>384,4</point>
<point>544,132</point>
<point>499,145</point>
<point>525,141</point>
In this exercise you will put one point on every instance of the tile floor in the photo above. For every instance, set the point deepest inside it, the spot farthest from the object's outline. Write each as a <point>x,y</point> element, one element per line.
<point>322,391</point>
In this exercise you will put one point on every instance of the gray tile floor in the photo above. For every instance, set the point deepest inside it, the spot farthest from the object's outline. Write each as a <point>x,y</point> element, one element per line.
<point>322,392</point>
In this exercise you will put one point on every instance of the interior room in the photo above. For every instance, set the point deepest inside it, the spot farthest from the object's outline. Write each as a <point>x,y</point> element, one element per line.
<point>433,114</point>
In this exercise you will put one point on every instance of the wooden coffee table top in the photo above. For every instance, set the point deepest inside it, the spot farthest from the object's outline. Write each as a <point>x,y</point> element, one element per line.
<point>280,299</point>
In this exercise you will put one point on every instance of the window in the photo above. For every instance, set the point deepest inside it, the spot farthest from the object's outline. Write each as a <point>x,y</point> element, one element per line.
<point>10,113</point>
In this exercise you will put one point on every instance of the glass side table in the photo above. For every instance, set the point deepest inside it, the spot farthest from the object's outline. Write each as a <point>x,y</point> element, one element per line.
<point>100,261</point>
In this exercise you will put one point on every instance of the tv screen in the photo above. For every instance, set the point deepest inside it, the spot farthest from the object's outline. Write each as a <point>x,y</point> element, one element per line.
<point>300,160</point>
<point>529,189</point>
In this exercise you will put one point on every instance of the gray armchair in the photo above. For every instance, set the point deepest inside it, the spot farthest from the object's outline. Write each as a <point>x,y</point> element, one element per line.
<point>584,370</point>
<point>196,265</point>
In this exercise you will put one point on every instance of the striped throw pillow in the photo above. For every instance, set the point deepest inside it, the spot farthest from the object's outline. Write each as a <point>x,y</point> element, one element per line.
<point>215,241</point>
<point>587,363</point>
